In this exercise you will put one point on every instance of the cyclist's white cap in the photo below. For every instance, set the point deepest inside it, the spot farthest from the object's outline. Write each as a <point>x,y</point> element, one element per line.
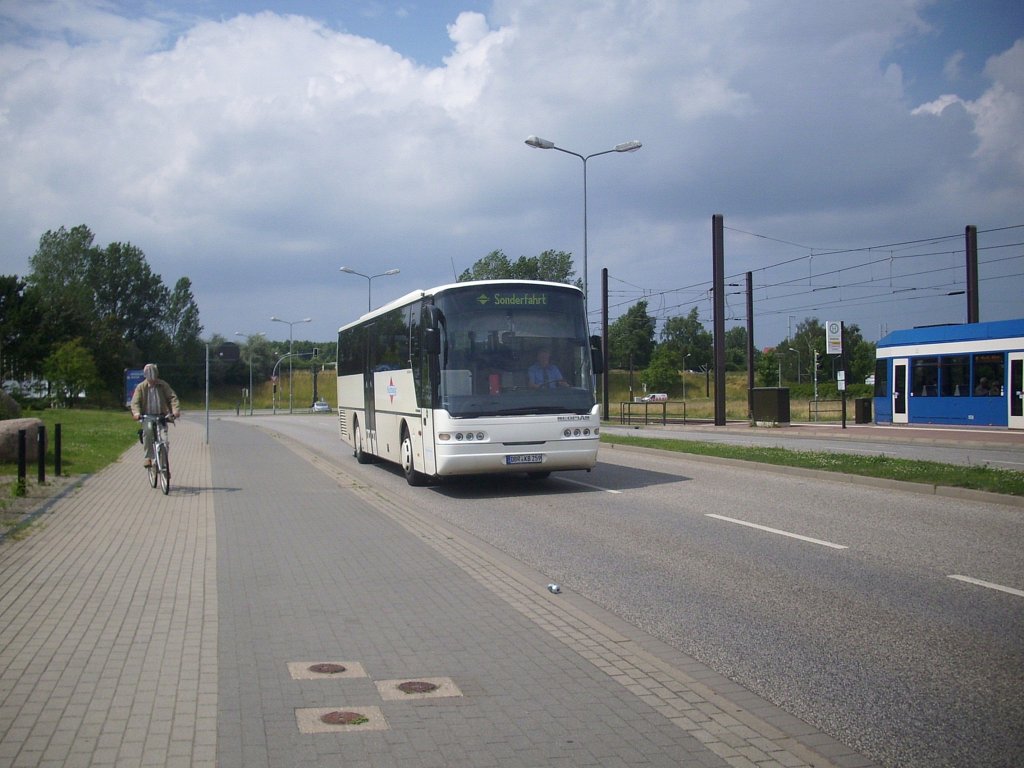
<point>150,372</point>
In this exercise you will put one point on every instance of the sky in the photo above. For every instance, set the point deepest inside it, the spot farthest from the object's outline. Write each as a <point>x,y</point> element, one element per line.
<point>258,147</point>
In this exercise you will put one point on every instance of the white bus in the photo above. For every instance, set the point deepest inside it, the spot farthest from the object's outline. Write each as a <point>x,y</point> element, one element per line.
<point>449,381</point>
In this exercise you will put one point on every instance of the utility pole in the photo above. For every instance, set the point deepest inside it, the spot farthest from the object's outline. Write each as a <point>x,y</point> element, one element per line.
<point>971,246</point>
<point>815,374</point>
<point>718,274</point>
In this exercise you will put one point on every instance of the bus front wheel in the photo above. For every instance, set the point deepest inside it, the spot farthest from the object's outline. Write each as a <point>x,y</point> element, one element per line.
<point>412,477</point>
<point>361,456</point>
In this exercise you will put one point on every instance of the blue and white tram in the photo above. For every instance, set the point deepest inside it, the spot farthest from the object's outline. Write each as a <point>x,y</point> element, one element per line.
<point>969,374</point>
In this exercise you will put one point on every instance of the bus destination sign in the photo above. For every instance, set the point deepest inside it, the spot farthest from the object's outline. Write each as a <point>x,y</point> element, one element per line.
<point>513,299</point>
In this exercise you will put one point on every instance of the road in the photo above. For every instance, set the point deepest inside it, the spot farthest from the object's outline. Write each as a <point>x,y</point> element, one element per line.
<point>947,445</point>
<point>889,619</point>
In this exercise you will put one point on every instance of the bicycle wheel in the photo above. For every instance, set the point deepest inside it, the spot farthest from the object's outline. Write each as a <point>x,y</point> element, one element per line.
<point>152,471</point>
<point>165,469</point>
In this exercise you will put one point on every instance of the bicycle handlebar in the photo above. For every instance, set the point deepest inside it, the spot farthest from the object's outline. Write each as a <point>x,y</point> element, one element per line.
<point>163,419</point>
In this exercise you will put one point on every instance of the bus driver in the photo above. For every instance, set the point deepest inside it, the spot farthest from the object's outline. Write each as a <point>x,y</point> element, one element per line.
<point>544,374</point>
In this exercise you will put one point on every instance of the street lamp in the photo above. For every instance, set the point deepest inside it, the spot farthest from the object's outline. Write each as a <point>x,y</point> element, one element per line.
<point>248,342</point>
<point>791,349</point>
<point>369,282</point>
<point>291,339</point>
<point>685,355</point>
<point>626,146</point>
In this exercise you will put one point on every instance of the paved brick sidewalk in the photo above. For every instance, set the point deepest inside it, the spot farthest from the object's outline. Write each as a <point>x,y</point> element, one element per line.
<point>136,631</point>
<point>108,622</point>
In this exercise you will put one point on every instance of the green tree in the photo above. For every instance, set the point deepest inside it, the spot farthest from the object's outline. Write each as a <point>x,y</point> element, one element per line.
<point>736,349</point>
<point>767,368</point>
<point>182,328</point>
<point>22,347</point>
<point>71,369</point>
<point>128,295</point>
<point>662,375</point>
<point>860,354</point>
<point>686,335</point>
<point>59,277</point>
<point>552,266</point>
<point>631,338</point>
<point>810,336</point>
<point>111,300</point>
<point>129,306</point>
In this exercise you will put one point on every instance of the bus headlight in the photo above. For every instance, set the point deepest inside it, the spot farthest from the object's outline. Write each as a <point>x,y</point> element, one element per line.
<point>445,437</point>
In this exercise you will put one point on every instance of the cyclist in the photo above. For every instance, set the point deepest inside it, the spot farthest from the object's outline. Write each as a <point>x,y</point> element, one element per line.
<point>153,397</point>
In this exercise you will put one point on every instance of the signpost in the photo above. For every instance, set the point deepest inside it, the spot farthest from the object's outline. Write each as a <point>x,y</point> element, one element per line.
<point>132,378</point>
<point>834,346</point>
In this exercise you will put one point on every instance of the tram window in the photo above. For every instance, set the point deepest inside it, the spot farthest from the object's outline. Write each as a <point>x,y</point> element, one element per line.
<point>925,377</point>
<point>954,376</point>
<point>881,378</point>
<point>988,375</point>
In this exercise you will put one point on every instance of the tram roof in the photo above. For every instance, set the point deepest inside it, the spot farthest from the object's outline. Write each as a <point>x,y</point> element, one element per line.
<point>937,334</point>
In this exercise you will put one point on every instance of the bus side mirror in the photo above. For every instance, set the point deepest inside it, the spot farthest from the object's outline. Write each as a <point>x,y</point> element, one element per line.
<point>596,355</point>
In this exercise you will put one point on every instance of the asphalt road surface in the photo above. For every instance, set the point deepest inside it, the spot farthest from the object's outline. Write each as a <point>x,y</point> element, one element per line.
<point>889,619</point>
<point>947,445</point>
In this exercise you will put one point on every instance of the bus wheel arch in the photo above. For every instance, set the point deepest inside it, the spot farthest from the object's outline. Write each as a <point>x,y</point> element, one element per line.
<point>412,475</point>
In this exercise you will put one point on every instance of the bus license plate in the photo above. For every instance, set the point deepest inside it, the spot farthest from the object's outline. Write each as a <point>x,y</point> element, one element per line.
<point>524,458</point>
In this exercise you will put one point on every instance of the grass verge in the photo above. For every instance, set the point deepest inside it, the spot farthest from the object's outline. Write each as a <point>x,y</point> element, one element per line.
<point>90,440</point>
<point>978,478</point>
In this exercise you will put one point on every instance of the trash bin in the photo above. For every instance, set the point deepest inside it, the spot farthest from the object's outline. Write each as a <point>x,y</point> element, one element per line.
<point>862,410</point>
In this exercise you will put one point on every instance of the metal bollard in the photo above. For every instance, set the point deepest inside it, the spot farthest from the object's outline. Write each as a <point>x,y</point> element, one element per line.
<point>21,462</point>
<point>41,454</point>
<point>56,450</point>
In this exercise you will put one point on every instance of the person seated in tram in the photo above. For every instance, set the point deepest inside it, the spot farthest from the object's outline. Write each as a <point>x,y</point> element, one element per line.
<point>982,390</point>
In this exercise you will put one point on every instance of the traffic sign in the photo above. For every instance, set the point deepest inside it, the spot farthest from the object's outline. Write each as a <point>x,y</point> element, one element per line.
<point>833,337</point>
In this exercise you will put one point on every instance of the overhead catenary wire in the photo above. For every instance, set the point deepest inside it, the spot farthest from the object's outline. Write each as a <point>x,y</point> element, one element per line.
<point>664,303</point>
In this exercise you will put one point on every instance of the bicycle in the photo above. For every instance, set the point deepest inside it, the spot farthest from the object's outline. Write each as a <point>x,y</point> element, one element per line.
<point>160,467</point>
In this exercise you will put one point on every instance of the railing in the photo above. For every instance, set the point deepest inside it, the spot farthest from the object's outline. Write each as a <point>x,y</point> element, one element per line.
<point>656,412</point>
<point>817,407</point>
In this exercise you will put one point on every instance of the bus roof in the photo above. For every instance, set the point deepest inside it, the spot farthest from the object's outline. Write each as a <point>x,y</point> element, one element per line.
<point>417,295</point>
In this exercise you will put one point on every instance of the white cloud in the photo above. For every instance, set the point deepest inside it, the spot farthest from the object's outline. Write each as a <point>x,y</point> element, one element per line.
<point>998,114</point>
<point>256,154</point>
<point>954,66</point>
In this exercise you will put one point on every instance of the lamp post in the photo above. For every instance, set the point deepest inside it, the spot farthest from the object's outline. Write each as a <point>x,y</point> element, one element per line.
<point>291,339</point>
<point>684,383</point>
<point>369,282</point>
<point>791,349</point>
<point>626,146</point>
<point>248,342</point>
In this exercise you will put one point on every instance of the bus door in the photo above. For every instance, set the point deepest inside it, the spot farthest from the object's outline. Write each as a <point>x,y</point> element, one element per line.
<point>369,405</point>
<point>900,389</point>
<point>1015,418</point>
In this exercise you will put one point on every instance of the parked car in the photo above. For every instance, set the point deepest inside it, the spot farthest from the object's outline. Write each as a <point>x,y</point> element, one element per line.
<point>321,406</point>
<point>655,397</point>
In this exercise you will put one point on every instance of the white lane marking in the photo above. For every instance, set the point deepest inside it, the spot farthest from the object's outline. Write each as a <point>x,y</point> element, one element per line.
<point>776,530</point>
<point>989,585</point>
<point>588,485</point>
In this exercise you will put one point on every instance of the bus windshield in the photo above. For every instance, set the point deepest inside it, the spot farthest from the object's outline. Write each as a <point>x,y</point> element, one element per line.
<point>510,349</point>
